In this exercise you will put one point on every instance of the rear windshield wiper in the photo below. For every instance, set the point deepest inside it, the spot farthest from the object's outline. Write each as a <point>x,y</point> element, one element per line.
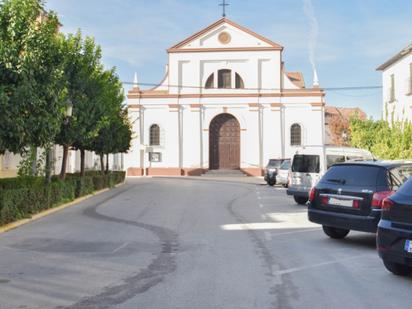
<point>341,181</point>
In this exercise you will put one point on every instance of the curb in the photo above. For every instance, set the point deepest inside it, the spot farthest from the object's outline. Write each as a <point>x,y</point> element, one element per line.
<point>45,213</point>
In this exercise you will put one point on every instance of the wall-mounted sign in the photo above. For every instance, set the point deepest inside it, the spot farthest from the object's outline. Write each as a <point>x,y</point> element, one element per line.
<point>155,157</point>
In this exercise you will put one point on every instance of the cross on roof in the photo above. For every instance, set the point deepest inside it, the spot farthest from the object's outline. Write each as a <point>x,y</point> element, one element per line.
<point>224,5</point>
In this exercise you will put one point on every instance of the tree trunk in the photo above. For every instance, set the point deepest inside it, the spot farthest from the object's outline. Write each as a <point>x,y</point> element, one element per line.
<point>64,162</point>
<point>102,163</point>
<point>107,163</point>
<point>82,162</point>
<point>34,162</point>
<point>48,165</point>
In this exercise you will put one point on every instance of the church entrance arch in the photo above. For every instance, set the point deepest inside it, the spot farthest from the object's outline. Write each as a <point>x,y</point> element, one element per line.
<point>224,142</point>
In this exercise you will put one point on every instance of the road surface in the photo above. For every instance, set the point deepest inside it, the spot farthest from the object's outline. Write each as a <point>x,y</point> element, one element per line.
<point>191,243</point>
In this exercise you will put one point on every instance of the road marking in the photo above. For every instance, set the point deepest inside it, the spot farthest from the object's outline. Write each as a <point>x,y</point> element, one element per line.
<point>121,247</point>
<point>297,232</point>
<point>267,197</point>
<point>264,226</point>
<point>296,269</point>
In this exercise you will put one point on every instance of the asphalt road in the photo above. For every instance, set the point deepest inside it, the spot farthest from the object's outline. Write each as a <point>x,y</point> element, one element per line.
<point>191,243</point>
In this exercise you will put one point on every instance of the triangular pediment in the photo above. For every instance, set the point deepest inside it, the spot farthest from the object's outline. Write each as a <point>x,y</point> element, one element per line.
<point>225,34</point>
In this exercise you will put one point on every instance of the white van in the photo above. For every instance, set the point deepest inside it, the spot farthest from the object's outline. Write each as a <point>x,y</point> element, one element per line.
<point>310,163</point>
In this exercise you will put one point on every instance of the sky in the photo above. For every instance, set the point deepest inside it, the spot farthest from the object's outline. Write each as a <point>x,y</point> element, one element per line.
<point>353,37</point>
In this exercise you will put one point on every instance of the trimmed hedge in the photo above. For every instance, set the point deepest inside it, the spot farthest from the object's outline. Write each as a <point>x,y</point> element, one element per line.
<point>24,196</point>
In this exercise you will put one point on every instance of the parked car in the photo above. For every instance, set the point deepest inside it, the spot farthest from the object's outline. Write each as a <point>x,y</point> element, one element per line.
<point>282,176</point>
<point>349,196</point>
<point>272,170</point>
<point>310,163</point>
<point>394,237</point>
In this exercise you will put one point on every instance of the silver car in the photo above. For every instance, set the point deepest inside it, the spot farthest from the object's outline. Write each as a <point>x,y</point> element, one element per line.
<point>282,177</point>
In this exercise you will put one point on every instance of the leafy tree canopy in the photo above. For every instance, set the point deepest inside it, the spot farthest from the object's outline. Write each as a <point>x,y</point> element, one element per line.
<point>30,75</point>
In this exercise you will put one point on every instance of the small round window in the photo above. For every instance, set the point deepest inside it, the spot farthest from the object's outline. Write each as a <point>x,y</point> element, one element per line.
<point>224,38</point>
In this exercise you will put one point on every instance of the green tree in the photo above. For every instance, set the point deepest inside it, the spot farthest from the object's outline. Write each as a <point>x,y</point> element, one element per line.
<point>114,137</point>
<point>30,76</point>
<point>385,140</point>
<point>83,80</point>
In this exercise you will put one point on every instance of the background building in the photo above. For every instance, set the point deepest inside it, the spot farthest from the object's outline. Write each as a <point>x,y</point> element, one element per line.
<point>337,120</point>
<point>397,86</point>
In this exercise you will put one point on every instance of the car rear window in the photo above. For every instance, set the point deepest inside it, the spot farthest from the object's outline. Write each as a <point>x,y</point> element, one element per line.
<point>285,165</point>
<point>406,188</point>
<point>399,175</point>
<point>274,163</point>
<point>305,164</point>
<point>352,175</point>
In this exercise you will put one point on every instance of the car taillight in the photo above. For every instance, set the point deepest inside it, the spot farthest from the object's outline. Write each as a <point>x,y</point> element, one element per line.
<point>312,194</point>
<point>356,204</point>
<point>387,204</point>
<point>378,198</point>
<point>324,200</point>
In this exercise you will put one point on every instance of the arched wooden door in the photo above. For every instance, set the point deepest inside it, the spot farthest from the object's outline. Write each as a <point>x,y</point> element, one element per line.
<point>224,142</point>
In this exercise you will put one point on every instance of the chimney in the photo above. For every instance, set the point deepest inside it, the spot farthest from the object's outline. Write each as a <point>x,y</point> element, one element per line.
<point>315,79</point>
<point>135,82</point>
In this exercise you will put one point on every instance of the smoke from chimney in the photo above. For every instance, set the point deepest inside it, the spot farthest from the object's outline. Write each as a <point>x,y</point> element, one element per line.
<point>309,11</point>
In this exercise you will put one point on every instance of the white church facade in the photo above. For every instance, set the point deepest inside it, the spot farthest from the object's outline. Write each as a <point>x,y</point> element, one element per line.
<point>226,102</point>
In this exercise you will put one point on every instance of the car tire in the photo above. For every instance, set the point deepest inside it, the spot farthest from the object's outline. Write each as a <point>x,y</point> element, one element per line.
<point>300,200</point>
<point>285,185</point>
<point>334,232</point>
<point>271,183</point>
<point>397,269</point>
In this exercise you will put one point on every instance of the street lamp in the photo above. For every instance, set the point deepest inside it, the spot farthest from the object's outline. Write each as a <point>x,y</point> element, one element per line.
<point>69,108</point>
<point>344,136</point>
<point>69,112</point>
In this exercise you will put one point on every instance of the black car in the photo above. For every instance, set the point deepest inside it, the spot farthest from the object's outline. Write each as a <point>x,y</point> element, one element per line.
<point>349,196</point>
<point>271,170</point>
<point>394,237</point>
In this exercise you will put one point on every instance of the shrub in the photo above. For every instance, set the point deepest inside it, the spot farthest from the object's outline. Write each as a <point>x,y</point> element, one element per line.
<point>24,196</point>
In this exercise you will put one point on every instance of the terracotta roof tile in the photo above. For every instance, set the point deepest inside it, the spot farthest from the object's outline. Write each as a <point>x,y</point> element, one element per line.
<point>296,78</point>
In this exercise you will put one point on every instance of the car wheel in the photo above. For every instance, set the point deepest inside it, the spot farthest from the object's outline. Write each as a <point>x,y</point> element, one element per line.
<point>397,269</point>
<point>334,232</point>
<point>300,200</point>
<point>271,183</point>
<point>285,185</point>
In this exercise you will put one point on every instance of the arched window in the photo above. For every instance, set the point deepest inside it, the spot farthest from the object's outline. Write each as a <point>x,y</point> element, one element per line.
<point>154,135</point>
<point>210,83</point>
<point>239,82</point>
<point>295,135</point>
<point>224,79</point>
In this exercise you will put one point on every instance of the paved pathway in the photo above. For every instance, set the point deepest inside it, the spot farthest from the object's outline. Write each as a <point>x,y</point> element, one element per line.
<point>191,243</point>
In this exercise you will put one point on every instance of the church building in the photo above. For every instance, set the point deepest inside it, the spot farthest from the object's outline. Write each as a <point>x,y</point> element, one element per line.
<point>226,102</point>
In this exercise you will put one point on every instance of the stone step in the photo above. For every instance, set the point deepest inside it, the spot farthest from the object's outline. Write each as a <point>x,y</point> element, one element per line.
<point>224,173</point>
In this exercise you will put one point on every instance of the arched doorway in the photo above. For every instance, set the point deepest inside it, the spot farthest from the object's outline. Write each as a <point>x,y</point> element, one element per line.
<point>224,143</point>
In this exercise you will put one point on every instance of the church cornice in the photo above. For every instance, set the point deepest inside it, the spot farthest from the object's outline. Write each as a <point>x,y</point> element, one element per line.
<point>226,49</point>
<point>314,92</point>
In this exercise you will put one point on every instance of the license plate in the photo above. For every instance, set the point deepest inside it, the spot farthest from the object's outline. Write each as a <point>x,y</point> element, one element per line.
<point>408,246</point>
<point>338,202</point>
